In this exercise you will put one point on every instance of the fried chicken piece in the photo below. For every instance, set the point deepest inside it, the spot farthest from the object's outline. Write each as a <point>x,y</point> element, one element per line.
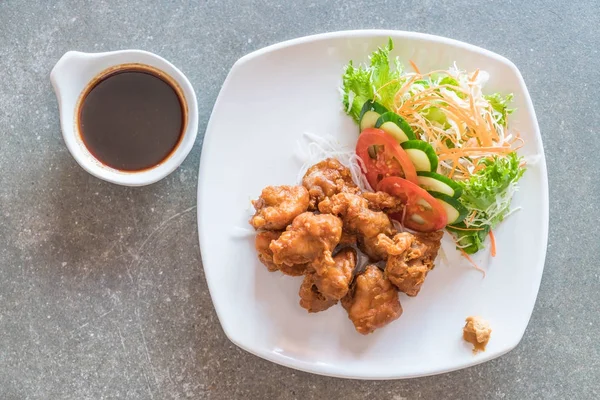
<point>408,270</point>
<point>360,219</point>
<point>372,301</point>
<point>265,255</point>
<point>277,206</point>
<point>294,269</point>
<point>369,246</point>
<point>311,298</point>
<point>309,238</point>
<point>382,201</point>
<point>381,246</point>
<point>321,291</point>
<point>477,331</point>
<point>334,281</point>
<point>433,241</point>
<point>386,246</point>
<point>356,214</point>
<point>348,239</point>
<point>327,178</point>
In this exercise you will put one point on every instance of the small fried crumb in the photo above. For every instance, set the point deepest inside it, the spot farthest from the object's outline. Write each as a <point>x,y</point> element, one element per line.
<point>477,331</point>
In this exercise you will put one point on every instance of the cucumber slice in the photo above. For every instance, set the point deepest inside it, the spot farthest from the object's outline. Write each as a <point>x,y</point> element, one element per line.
<point>421,154</point>
<point>456,212</point>
<point>434,182</point>
<point>396,126</point>
<point>369,114</point>
<point>473,242</point>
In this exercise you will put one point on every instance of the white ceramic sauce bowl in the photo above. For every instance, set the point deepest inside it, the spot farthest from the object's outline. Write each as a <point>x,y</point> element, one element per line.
<point>71,77</point>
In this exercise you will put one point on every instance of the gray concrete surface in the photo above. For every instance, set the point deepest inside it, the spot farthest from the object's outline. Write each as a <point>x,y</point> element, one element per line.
<point>102,294</point>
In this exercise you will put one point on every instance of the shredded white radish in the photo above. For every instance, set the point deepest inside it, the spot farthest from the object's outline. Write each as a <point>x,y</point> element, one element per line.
<point>446,243</point>
<point>397,225</point>
<point>242,233</point>
<point>532,159</point>
<point>311,150</point>
<point>351,96</point>
<point>315,149</point>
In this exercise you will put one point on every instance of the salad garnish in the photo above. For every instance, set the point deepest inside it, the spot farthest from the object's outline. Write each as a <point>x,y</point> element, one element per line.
<point>456,136</point>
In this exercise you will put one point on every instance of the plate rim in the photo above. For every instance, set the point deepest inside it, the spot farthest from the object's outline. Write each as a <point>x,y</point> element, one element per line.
<point>328,370</point>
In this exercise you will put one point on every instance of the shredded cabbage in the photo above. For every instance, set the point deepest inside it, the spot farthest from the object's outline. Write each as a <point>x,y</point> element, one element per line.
<point>487,195</point>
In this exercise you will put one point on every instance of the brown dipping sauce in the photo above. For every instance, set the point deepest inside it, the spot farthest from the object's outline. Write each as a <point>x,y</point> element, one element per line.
<point>132,118</point>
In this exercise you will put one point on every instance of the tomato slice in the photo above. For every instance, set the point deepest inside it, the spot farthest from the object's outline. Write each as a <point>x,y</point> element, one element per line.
<point>423,213</point>
<point>383,157</point>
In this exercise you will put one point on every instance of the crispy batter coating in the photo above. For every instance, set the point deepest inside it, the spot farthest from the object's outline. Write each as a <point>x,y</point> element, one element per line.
<point>382,201</point>
<point>294,269</point>
<point>311,298</point>
<point>334,281</point>
<point>265,255</point>
<point>348,239</point>
<point>299,228</point>
<point>360,219</point>
<point>277,206</point>
<point>408,270</point>
<point>386,246</point>
<point>372,302</point>
<point>309,238</point>
<point>327,178</point>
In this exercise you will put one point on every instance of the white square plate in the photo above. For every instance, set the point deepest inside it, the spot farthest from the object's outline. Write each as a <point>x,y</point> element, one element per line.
<point>269,99</point>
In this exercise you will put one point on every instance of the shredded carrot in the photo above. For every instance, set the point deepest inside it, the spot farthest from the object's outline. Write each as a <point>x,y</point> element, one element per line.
<point>423,125</point>
<point>491,123</point>
<point>473,135</point>
<point>400,92</point>
<point>388,83</point>
<point>434,93</point>
<point>453,170</point>
<point>477,267</point>
<point>521,143</point>
<point>472,216</point>
<point>460,111</point>
<point>462,168</point>
<point>468,150</point>
<point>493,244</point>
<point>437,71</point>
<point>414,67</point>
<point>465,255</point>
<point>481,130</point>
<point>478,167</point>
<point>428,97</point>
<point>464,229</point>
